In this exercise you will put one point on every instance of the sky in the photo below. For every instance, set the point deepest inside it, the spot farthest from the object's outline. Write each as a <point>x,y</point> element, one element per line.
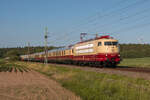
<point>23,21</point>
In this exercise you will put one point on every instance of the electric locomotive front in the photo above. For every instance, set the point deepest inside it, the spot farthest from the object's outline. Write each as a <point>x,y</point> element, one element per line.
<point>108,51</point>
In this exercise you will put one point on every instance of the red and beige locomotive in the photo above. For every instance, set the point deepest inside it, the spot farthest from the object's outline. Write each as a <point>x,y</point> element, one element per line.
<point>100,51</point>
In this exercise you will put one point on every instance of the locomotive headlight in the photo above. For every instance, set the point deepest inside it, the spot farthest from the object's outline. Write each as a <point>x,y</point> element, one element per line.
<point>106,55</point>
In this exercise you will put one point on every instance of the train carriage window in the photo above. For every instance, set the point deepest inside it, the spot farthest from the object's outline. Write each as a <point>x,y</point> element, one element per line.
<point>62,53</point>
<point>99,43</point>
<point>57,53</point>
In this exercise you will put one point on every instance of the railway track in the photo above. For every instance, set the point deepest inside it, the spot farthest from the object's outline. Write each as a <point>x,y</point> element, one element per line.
<point>134,69</point>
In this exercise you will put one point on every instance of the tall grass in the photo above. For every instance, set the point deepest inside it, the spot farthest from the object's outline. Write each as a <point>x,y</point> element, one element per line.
<point>96,86</point>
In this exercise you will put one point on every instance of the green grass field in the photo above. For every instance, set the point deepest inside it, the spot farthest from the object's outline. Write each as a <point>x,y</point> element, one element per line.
<point>136,62</point>
<point>95,86</point>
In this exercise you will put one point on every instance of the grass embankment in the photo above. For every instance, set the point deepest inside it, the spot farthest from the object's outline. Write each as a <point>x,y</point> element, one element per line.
<point>95,86</point>
<point>136,62</point>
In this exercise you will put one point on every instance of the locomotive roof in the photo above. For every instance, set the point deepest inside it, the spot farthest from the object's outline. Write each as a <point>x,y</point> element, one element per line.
<point>101,37</point>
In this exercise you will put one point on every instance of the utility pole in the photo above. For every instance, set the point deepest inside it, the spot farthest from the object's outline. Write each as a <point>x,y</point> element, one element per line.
<point>141,41</point>
<point>28,51</point>
<point>46,49</point>
<point>96,35</point>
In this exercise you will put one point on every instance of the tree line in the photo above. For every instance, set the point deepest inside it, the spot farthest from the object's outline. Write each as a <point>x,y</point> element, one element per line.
<point>126,51</point>
<point>14,53</point>
<point>135,50</point>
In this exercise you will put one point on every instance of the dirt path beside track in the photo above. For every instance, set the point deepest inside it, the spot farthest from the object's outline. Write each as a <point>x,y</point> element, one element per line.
<point>31,86</point>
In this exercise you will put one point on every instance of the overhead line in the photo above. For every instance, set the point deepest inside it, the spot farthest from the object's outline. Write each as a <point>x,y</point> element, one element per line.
<point>122,19</point>
<point>139,2</point>
<point>120,10</point>
<point>135,4</point>
<point>96,14</point>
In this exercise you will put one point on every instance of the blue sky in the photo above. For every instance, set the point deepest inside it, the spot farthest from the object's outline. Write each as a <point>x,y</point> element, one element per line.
<point>23,21</point>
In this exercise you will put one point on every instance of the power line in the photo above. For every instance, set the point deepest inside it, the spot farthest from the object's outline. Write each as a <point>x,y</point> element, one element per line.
<point>92,18</point>
<point>126,18</point>
<point>119,10</point>
<point>88,21</point>
<point>126,29</point>
<point>131,5</point>
<point>135,13</point>
<point>133,27</point>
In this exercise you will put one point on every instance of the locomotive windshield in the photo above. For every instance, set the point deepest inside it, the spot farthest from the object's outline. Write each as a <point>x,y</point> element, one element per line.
<point>111,43</point>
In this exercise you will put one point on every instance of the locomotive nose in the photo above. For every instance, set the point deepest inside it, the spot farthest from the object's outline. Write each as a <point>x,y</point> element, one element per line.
<point>113,49</point>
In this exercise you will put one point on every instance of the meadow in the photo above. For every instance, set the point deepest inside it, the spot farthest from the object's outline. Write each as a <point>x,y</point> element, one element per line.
<point>95,86</point>
<point>136,62</point>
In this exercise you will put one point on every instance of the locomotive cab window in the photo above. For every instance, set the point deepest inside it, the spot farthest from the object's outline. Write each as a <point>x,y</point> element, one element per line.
<point>111,43</point>
<point>99,43</point>
<point>115,43</point>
